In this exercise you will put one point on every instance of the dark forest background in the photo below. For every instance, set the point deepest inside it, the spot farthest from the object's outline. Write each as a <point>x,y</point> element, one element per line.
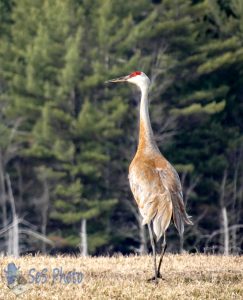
<point>66,138</point>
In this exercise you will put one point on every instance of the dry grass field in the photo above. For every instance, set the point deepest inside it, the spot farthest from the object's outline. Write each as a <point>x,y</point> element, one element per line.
<point>185,277</point>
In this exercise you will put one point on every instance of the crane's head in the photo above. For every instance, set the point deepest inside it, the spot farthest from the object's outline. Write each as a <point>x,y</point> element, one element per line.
<point>138,78</point>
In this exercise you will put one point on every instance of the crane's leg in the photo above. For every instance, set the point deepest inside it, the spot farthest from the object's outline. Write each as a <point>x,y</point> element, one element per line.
<point>154,253</point>
<point>164,245</point>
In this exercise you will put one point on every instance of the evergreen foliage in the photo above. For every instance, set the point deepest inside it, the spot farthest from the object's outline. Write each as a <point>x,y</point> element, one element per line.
<point>67,139</point>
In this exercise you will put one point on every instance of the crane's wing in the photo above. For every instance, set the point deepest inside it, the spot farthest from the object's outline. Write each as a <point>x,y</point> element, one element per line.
<point>170,179</point>
<point>153,199</point>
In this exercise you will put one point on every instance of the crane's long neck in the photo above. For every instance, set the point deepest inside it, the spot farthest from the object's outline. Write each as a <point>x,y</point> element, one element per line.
<point>146,136</point>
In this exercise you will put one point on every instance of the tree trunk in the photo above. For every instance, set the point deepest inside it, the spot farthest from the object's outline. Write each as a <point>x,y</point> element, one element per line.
<point>83,235</point>
<point>13,238</point>
<point>236,210</point>
<point>3,192</point>
<point>20,200</point>
<point>235,213</point>
<point>10,242</point>
<point>224,218</point>
<point>226,231</point>
<point>16,236</point>
<point>44,213</point>
<point>13,243</point>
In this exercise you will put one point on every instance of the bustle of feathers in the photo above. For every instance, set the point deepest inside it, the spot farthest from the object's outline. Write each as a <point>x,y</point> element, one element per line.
<point>158,194</point>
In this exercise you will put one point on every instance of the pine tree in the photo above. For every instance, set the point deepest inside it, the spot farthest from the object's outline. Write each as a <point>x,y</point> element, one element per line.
<point>75,136</point>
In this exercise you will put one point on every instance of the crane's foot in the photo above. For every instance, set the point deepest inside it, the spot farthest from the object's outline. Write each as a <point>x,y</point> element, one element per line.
<point>155,280</point>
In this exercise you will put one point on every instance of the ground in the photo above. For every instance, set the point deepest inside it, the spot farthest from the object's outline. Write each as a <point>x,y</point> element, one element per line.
<point>185,277</point>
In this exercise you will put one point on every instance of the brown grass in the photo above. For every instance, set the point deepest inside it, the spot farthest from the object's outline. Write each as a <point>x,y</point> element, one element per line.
<point>185,277</point>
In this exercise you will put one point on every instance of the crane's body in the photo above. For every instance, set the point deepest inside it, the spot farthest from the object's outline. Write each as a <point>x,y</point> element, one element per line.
<point>148,175</point>
<point>154,182</point>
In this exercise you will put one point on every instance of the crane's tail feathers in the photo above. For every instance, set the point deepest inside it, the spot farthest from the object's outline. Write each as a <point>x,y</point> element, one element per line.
<point>180,216</point>
<point>160,213</point>
<point>148,212</point>
<point>160,224</point>
<point>188,220</point>
<point>145,221</point>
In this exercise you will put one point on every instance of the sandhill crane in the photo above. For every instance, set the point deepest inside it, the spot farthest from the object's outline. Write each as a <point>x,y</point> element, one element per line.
<point>154,182</point>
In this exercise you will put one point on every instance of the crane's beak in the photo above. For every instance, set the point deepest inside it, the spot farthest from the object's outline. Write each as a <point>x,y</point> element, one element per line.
<point>120,79</point>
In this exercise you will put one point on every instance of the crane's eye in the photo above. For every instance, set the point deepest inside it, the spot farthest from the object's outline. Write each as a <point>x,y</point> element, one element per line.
<point>135,74</point>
